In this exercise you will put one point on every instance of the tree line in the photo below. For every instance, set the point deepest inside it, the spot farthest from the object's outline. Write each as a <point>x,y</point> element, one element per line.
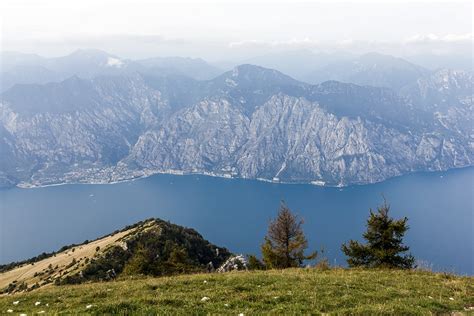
<point>285,244</point>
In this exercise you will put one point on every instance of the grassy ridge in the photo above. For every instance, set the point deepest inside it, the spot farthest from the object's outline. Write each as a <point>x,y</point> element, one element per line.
<point>277,291</point>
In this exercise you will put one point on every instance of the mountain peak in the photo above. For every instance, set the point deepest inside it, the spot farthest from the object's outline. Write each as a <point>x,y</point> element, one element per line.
<point>383,60</point>
<point>93,57</point>
<point>247,69</point>
<point>252,74</point>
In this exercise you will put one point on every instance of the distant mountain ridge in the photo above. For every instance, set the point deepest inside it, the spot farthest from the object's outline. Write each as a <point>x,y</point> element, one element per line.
<point>195,68</point>
<point>251,122</point>
<point>20,68</point>
<point>371,69</point>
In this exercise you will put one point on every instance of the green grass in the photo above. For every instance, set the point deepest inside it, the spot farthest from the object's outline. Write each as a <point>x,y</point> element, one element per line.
<point>292,291</point>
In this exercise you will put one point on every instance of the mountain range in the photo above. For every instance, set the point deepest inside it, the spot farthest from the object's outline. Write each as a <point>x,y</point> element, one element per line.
<point>19,68</point>
<point>112,119</point>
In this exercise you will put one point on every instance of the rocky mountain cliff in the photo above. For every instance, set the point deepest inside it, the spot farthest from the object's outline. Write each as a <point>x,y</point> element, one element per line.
<point>250,122</point>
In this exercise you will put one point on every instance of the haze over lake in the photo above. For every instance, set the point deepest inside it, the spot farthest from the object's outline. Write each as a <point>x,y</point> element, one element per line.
<point>234,213</point>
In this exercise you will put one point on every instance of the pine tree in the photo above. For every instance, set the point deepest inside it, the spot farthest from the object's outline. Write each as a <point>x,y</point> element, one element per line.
<point>285,242</point>
<point>384,247</point>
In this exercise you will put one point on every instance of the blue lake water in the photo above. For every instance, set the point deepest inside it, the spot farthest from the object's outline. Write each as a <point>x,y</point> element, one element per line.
<point>234,213</point>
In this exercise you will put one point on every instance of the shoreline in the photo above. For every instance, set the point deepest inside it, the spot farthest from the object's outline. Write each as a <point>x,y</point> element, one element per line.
<point>316,183</point>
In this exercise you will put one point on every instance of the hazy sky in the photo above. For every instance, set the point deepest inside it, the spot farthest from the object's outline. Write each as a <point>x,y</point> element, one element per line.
<point>214,28</point>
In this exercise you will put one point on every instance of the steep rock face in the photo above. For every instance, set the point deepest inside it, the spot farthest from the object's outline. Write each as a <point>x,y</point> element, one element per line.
<point>446,96</point>
<point>291,139</point>
<point>95,129</point>
<point>325,147</point>
<point>203,137</point>
<point>251,122</point>
<point>444,87</point>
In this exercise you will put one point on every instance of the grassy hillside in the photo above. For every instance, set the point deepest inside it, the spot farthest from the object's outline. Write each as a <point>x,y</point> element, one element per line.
<point>277,291</point>
<point>152,247</point>
<point>60,264</point>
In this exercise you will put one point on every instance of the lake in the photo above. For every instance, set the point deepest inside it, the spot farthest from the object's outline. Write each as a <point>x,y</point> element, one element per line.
<point>235,213</point>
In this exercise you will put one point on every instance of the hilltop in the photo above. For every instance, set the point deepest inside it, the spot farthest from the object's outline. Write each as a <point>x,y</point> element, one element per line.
<point>153,247</point>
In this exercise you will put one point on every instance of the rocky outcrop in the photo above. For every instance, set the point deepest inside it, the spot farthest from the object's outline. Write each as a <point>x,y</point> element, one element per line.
<point>234,263</point>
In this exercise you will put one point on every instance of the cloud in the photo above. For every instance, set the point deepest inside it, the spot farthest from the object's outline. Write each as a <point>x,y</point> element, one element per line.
<point>295,42</point>
<point>430,38</point>
<point>436,38</point>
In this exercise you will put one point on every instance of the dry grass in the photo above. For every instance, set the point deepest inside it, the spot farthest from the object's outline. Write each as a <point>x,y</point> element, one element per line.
<point>61,263</point>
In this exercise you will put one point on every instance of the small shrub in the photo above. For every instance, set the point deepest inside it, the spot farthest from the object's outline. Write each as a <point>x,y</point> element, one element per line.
<point>73,262</point>
<point>323,265</point>
<point>254,263</point>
